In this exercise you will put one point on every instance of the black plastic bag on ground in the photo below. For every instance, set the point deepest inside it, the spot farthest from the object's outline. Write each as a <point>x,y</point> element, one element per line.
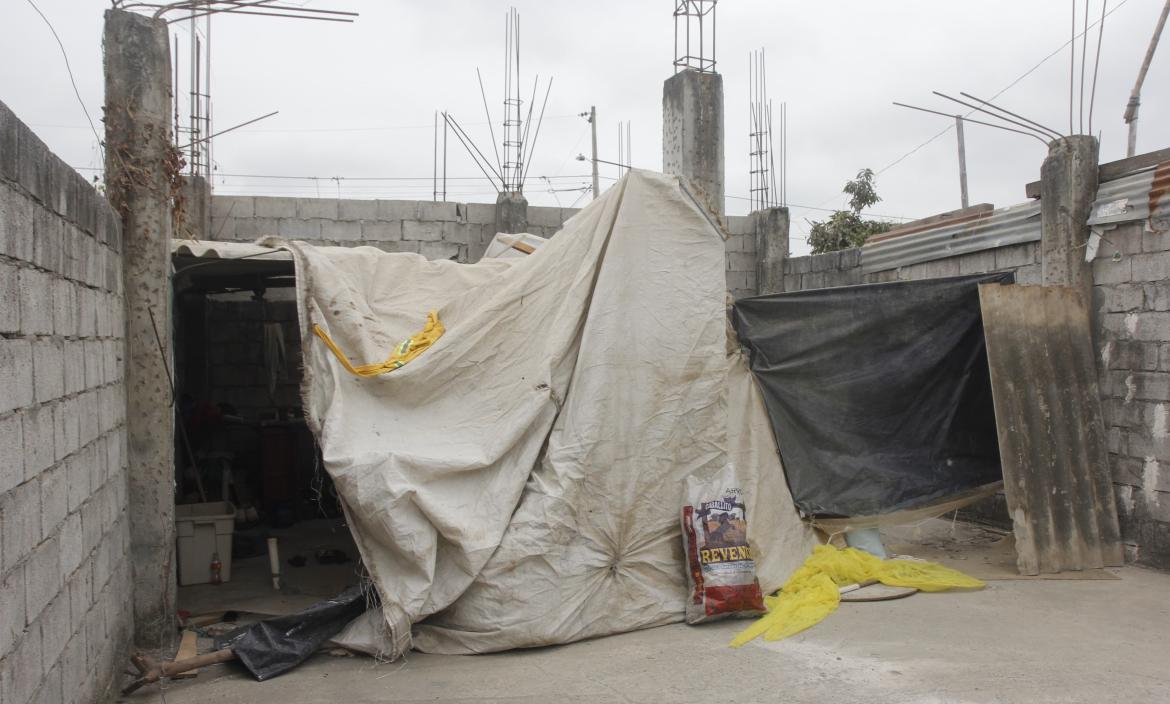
<point>276,645</point>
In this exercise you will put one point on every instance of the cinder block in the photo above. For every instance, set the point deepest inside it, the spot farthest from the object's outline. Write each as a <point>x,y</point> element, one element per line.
<point>66,428</point>
<point>103,325</point>
<point>23,669</point>
<point>12,614</point>
<point>54,498</point>
<point>16,224</point>
<point>11,452</point>
<point>977,262</point>
<point>1150,386</point>
<point>38,430</point>
<point>71,544</point>
<point>741,224</point>
<point>1149,326</point>
<point>1029,275</point>
<point>739,261</point>
<point>94,370</point>
<point>394,246</point>
<point>541,216</point>
<point>55,628</point>
<point>311,208</point>
<point>357,210</point>
<point>9,298</point>
<point>382,231</point>
<point>42,577</point>
<point>402,210</point>
<point>48,369</point>
<point>1124,297</point>
<point>1133,355</point>
<point>1155,241</point>
<point>1150,267</point>
<point>438,211</point>
<point>480,213</point>
<point>231,207</point>
<point>48,233</point>
<point>73,677</point>
<point>95,630</point>
<point>88,410</point>
<point>341,231</point>
<point>299,229</point>
<point>255,228</point>
<point>422,231</point>
<point>224,228</point>
<point>86,312</point>
<point>80,588</point>
<point>16,374</point>
<point>64,308</point>
<point>36,302</point>
<point>268,207</point>
<point>111,361</point>
<point>50,691</point>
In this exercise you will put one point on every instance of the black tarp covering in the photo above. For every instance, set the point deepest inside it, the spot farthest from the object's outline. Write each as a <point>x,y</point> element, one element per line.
<point>276,645</point>
<point>879,395</point>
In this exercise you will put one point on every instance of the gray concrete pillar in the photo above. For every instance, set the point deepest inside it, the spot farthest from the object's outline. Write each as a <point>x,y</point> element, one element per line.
<point>511,213</point>
<point>140,168</point>
<point>692,132</point>
<point>195,222</point>
<point>771,249</point>
<point>1068,185</point>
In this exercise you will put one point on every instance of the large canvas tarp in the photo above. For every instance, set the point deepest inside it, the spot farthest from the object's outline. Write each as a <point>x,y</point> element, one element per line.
<point>879,394</point>
<point>519,483</point>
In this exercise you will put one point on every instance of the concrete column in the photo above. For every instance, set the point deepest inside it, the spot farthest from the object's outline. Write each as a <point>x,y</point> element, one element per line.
<point>196,220</point>
<point>1068,185</point>
<point>140,166</point>
<point>771,249</point>
<point>692,132</point>
<point>511,213</point>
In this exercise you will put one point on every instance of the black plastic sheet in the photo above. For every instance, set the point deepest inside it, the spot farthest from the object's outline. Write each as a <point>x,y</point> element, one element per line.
<point>276,645</point>
<point>879,395</point>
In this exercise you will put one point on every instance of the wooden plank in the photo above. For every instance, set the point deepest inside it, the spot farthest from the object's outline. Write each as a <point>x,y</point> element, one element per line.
<point>1050,428</point>
<point>188,648</point>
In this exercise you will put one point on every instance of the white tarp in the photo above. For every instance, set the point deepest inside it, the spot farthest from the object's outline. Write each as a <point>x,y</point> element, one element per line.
<point>519,483</point>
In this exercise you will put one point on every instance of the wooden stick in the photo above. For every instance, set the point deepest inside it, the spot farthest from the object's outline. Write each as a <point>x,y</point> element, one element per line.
<point>170,669</point>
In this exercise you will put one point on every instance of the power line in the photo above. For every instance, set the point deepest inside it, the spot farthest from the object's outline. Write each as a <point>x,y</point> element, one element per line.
<point>72,81</point>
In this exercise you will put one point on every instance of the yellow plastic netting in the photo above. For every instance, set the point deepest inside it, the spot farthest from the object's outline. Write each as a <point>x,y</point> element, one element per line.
<point>812,592</point>
<point>402,353</point>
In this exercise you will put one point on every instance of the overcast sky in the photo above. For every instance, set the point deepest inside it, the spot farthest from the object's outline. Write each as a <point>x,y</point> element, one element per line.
<point>358,100</point>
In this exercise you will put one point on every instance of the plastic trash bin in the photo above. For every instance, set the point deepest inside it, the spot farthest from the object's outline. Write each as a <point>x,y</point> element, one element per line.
<point>204,530</point>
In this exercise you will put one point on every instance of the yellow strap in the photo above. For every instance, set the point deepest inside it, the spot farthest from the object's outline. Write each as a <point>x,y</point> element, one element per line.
<point>402,353</point>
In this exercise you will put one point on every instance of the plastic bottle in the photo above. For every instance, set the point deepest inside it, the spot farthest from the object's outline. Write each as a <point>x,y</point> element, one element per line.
<point>216,569</point>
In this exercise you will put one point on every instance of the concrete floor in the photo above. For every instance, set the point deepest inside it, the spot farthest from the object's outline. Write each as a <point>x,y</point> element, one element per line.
<point>1015,641</point>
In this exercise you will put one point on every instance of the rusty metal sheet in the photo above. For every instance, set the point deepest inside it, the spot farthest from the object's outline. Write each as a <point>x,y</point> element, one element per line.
<point>1051,433</point>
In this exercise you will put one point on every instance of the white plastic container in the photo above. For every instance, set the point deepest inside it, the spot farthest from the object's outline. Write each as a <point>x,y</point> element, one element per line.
<point>204,531</point>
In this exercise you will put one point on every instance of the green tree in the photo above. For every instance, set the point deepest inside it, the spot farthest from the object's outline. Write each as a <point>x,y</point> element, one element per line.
<point>846,228</point>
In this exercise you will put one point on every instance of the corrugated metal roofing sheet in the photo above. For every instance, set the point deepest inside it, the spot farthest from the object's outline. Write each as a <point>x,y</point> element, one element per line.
<point>1143,196</point>
<point>1001,228</point>
<point>1052,442</point>
<point>210,249</point>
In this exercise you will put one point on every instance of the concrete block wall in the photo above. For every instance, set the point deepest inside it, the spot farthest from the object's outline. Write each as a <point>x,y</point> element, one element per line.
<point>65,577</point>
<point>741,255</point>
<point>436,230</point>
<point>1131,305</point>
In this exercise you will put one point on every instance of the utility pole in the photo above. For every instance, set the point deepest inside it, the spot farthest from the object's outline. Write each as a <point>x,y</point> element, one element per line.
<point>1131,109</point>
<point>593,124</point>
<point>962,160</point>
